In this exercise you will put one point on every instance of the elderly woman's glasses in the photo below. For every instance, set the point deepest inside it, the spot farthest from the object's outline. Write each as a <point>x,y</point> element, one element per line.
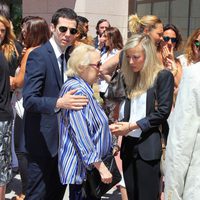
<point>166,39</point>
<point>63,29</point>
<point>97,66</point>
<point>197,43</point>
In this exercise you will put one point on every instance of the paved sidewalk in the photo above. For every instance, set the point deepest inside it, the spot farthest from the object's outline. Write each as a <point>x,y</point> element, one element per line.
<point>14,187</point>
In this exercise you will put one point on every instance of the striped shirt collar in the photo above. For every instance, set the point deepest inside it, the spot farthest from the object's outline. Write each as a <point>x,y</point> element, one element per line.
<point>84,84</point>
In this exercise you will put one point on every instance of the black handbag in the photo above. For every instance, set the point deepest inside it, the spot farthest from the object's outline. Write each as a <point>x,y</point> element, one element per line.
<point>116,89</point>
<point>94,187</point>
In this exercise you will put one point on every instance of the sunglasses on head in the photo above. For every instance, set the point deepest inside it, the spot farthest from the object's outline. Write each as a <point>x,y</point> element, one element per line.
<point>96,65</point>
<point>197,43</point>
<point>64,29</point>
<point>166,39</point>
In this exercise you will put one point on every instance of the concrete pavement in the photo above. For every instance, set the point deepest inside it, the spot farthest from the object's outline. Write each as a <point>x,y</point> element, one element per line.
<point>14,187</point>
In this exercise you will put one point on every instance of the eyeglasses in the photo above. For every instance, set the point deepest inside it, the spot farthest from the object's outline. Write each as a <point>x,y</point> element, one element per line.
<point>63,29</point>
<point>97,66</point>
<point>197,43</point>
<point>166,39</point>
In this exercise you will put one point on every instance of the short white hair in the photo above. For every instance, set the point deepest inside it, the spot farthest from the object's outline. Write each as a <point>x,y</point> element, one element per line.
<point>80,58</point>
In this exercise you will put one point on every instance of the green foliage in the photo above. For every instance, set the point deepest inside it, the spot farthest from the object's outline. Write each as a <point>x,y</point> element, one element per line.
<point>16,14</point>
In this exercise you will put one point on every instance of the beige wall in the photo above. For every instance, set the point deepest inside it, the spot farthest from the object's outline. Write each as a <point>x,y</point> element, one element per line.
<point>45,8</point>
<point>116,11</point>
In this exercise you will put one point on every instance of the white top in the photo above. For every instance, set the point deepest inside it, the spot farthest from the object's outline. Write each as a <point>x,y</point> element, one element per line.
<point>58,53</point>
<point>102,83</point>
<point>137,112</point>
<point>183,61</point>
<point>182,177</point>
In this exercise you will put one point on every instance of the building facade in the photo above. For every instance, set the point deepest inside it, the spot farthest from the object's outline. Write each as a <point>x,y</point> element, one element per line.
<point>182,13</point>
<point>116,11</point>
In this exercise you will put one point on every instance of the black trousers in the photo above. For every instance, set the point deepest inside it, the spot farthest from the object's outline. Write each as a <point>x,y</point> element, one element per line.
<point>21,151</point>
<point>43,179</point>
<point>142,178</point>
<point>76,193</point>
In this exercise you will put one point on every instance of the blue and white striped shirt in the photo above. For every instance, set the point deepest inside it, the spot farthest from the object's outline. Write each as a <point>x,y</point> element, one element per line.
<point>85,137</point>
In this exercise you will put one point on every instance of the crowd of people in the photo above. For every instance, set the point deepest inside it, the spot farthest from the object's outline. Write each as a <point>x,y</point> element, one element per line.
<point>52,121</point>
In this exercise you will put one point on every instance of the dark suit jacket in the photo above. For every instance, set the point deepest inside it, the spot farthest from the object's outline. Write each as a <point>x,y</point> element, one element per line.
<point>149,143</point>
<point>40,93</point>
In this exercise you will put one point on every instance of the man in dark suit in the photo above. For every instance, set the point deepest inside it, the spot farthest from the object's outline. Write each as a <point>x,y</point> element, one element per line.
<point>101,26</point>
<point>43,81</point>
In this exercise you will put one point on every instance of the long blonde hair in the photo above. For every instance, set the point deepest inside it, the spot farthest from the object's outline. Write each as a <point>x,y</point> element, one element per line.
<point>139,82</point>
<point>137,25</point>
<point>8,44</point>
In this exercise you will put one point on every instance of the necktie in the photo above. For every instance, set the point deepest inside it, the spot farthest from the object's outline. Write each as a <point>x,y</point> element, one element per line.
<point>62,67</point>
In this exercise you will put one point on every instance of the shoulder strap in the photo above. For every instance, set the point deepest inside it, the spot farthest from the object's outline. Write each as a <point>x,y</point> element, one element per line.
<point>121,55</point>
<point>118,67</point>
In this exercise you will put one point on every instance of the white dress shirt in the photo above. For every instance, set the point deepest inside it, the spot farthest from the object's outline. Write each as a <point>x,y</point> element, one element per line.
<point>58,53</point>
<point>138,111</point>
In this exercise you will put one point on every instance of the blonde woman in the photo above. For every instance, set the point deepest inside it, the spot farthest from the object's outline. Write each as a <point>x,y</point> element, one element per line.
<point>150,93</point>
<point>150,25</point>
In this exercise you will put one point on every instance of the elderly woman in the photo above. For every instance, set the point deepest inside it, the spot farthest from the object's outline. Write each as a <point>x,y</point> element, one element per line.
<point>85,137</point>
<point>150,93</point>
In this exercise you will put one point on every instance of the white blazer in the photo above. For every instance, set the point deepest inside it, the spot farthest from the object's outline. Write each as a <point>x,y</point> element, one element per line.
<point>182,178</point>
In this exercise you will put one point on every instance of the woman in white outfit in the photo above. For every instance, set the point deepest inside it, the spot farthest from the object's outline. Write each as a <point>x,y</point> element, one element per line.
<point>182,178</point>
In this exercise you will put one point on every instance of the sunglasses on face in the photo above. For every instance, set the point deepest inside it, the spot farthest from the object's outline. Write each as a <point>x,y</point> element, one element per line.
<point>63,29</point>
<point>96,65</point>
<point>197,43</point>
<point>166,39</point>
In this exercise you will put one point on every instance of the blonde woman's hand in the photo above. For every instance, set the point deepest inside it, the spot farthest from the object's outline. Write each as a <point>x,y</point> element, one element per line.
<point>122,128</point>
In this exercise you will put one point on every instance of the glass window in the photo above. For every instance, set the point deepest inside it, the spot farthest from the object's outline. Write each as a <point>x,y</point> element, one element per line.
<point>195,15</point>
<point>143,9</point>
<point>177,12</point>
<point>161,9</point>
<point>179,16</point>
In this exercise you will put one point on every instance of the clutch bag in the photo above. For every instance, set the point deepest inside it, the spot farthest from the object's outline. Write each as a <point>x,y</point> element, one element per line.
<point>94,186</point>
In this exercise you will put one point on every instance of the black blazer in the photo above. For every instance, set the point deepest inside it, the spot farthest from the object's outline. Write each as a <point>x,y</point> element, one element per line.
<point>40,94</point>
<point>149,143</point>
